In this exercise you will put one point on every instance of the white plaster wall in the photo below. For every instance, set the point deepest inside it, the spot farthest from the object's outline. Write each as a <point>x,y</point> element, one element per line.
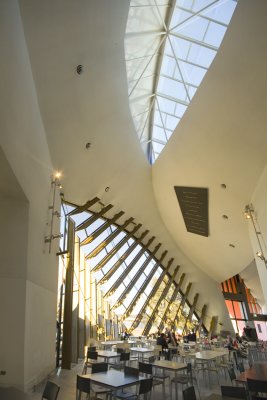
<point>23,141</point>
<point>13,222</point>
<point>260,207</point>
<point>40,327</point>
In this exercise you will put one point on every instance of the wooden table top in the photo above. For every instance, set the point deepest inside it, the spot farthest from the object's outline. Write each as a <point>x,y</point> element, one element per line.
<point>257,371</point>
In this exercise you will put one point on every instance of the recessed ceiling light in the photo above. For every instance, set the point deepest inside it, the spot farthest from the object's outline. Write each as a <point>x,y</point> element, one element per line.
<point>79,69</point>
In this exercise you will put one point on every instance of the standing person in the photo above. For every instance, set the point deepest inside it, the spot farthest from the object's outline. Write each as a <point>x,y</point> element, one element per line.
<point>229,343</point>
<point>161,341</point>
<point>238,338</point>
<point>125,334</point>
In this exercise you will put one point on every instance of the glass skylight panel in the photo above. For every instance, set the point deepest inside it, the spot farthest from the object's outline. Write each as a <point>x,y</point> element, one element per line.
<point>166,64</point>
<point>82,235</point>
<point>95,260</point>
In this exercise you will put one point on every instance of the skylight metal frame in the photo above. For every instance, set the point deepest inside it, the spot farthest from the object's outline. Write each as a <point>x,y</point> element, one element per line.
<point>165,14</point>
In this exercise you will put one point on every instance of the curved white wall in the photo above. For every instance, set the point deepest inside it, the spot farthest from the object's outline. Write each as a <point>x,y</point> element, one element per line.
<point>29,295</point>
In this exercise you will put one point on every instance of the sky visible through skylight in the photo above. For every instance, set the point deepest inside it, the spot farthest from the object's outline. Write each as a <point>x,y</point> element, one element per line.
<point>169,46</point>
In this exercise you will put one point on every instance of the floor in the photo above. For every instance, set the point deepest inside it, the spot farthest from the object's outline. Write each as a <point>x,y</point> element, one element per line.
<point>67,381</point>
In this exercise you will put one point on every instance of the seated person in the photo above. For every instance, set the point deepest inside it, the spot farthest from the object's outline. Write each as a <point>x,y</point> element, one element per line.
<point>192,337</point>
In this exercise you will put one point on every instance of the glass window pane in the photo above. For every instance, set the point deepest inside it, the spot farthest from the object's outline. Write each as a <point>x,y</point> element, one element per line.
<point>215,34</point>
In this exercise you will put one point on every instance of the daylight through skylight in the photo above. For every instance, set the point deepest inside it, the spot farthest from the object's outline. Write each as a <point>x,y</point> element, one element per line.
<point>169,46</point>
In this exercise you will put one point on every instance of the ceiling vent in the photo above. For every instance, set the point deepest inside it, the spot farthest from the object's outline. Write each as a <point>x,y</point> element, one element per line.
<point>194,207</point>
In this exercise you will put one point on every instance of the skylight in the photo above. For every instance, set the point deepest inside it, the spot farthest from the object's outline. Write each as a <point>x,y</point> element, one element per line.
<point>169,46</point>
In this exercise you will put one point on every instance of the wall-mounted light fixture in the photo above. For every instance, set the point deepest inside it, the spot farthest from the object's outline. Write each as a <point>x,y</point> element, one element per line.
<point>55,185</point>
<point>250,215</point>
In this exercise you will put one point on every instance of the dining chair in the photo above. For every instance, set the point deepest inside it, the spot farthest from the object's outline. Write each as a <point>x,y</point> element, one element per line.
<point>83,385</point>
<point>144,389</point>
<point>50,391</point>
<point>97,389</point>
<point>99,367</point>
<point>255,387</point>
<point>185,379</point>
<point>147,370</point>
<point>232,375</point>
<point>189,393</point>
<point>131,370</point>
<point>175,355</point>
<point>91,358</point>
<point>124,357</point>
<point>236,392</point>
<point>120,350</point>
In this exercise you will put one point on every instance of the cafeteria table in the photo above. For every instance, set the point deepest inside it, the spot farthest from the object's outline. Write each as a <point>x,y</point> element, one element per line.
<point>216,396</point>
<point>109,343</point>
<point>257,371</point>
<point>141,351</point>
<point>107,355</point>
<point>170,366</point>
<point>114,379</point>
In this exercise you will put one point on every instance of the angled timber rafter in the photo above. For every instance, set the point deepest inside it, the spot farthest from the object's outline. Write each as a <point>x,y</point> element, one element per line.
<point>161,298</point>
<point>151,295</point>
<point>137,276</point>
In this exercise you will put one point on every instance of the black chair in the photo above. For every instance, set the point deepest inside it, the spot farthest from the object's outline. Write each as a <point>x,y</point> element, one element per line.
<point>50,391</point>
<point>96,389</point>
<point>99,367</point>
<point>147,370</point>
<point>83,385</point>
<point>189,393</point>
<point>124,357</point>
<point>236,392</point>
<point>91,358</point>
<point>256,386</point>
<point>232,375</point>
<point>151,359</point>
<point>131,370</point>
<point>185,379</point>
<point>145,387</point>
<point>120,350</point>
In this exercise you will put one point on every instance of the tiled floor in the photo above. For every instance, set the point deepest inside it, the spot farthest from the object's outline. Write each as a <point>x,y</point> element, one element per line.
<point>67,381</point>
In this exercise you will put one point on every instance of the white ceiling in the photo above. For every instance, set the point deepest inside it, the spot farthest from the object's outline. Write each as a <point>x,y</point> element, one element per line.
<point>221,138</point>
